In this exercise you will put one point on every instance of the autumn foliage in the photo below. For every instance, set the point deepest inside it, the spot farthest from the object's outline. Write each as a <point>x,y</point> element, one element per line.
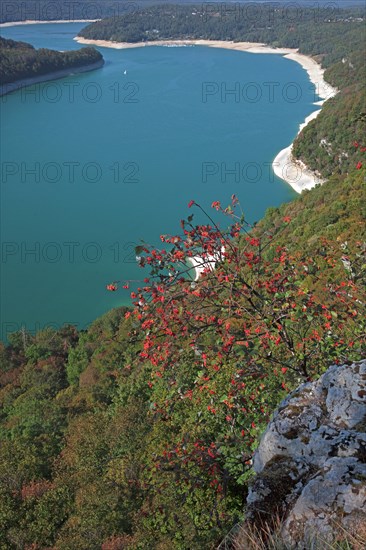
<point>222,350</point>
<point>143,427</point>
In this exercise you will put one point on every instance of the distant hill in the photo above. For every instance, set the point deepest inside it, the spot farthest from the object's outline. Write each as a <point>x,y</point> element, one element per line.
<point>21,10</point>
<point>19,60</point>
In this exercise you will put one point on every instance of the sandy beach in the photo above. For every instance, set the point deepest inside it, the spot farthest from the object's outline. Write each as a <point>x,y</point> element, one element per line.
<point>34,22</point>
<point>294,172</point>
<point>253,47</point>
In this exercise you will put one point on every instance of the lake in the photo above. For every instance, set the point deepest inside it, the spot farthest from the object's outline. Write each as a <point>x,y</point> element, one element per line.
<point>93,163</point>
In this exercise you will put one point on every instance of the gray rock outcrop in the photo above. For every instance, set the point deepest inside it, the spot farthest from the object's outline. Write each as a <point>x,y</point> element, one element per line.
<point>311,461</point>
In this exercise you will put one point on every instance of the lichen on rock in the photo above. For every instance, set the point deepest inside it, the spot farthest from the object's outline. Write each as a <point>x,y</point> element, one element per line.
<point>311,461</point>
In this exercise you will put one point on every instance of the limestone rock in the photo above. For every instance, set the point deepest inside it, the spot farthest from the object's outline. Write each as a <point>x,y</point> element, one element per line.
<point>311,461</point>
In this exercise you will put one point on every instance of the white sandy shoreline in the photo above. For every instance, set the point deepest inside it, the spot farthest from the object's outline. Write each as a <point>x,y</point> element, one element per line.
<point>294,172</point>
<point>253,47</point>
<point>35,22</point>
<point>202,264</point>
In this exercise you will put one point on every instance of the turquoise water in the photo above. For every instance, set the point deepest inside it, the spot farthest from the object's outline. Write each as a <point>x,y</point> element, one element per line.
<point>95,162</point>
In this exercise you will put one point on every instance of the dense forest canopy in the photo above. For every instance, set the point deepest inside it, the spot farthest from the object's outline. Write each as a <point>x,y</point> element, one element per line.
<point>103,446</point>
<point>19,60</point>
<point>53,10</point>
<point>138,432</point>
<point>322,31</point>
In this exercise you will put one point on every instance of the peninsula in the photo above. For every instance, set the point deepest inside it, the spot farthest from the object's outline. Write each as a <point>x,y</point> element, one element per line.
<point>22,65</point>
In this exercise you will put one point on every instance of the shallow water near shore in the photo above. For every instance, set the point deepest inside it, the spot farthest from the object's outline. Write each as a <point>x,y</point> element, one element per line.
<point>95,162</point>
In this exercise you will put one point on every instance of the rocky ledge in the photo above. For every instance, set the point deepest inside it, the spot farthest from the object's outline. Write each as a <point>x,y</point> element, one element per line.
<point>311,461</point>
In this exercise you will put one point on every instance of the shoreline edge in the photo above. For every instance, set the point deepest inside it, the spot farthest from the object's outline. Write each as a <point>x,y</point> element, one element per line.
<point>10,87</point>
<point>294,172</point>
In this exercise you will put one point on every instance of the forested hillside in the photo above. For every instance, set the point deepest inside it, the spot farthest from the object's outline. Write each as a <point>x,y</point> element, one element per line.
<point>44,10</point>
<point>19,60</point>
<point>142,428</point>
<point>64,10</point>
<point>334,37</point>
<point>138,433</point>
